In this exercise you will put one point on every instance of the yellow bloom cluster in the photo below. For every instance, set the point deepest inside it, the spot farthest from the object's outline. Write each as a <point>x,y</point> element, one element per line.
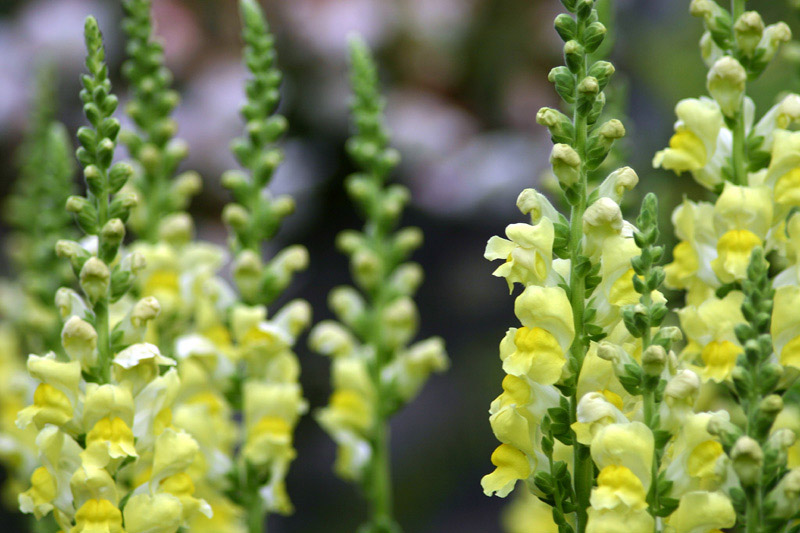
<point>98,443</point>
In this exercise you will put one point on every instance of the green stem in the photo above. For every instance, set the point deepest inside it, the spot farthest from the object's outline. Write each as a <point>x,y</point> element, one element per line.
<point>583,477</point>
<point>380,483</point>
<point>102,325</point>
<point>256,519</point>
<point>738,152</point>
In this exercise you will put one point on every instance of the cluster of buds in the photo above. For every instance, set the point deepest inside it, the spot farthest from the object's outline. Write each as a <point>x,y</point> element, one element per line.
<point>736,259</point>
<point>106,444</point>
<point>153,146</point>
<point>374,371</point>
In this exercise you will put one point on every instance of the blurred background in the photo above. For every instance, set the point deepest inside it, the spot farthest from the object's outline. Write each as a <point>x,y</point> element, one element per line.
<point>463,80</point>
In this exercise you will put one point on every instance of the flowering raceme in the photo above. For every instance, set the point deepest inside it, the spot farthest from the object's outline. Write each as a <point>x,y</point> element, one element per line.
<point>591,369</point>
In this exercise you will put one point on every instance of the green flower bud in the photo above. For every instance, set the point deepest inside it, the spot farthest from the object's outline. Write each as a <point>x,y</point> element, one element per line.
<point>408,239</point>
<point>747,458</point>
<point>176,229</point>
<point>784,499</point>
<point>602,72</point>
<point>283,206</point>
<point>748,31</point>
<point>366,267</point>
<point>726,84</point>
<point>94,179</point>
<point>573,56</point>
<point>118,176</point>
<point>187,184</point>
<point>79,340</point>
<point>347,303</point>
<point>654,359</point>
<point>560,126</point>
<point>236,216</point>
<point>407,278</point>
<point>566,165</point>
<point>566,26</point>
<point>112,235</point>
<point>349,241</point>
<point>177,150</point>
<point>593,36</point>
<point>150,157</point>
<point>400,320</point>
<point>94,279</point>
<point>247,270</point>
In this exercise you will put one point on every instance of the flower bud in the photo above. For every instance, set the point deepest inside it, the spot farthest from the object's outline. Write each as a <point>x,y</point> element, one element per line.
<point>236,216</point>
<point>187,184</point>
<point>331,339</point>
<point>70,303</point>
<point>283,205</point>
<point>774,35</point>
<point>94,179</point>
<point>400,320</point>
<point>726,84</point>
<point>247,269</point>
<point>612,130</point>
<point>560,126</point>
<point>618,183</point>
<point>573,55</point>
<point>784,499</point>
<point>366,267</point>
<point>408,239</point>
<point>684,385</point>
<point>407,278</point>
<point>118,176</point>
<point>113,233</point>
<point>748,31</point>
<point>566,165</point>
<point>347,303</point>
<point>144,311</point>
<point>747,458</point>
<point>94,279</point>
<point>176,229</point>
<point>533,202</point>
<point>349,241</point>
<point>79,340</point>
<point>177,149</point>
<point>654,359</point>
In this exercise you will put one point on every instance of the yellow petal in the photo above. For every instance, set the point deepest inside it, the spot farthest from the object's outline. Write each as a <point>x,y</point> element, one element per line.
<point>512,465</point>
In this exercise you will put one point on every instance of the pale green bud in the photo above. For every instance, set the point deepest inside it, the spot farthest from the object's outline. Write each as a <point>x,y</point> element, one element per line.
<point>408,239</point>
<point>187,184</point>
<point>177,149</point>
<point>612,130</point>
<point>407,278</point>
<point>347,303</point>
<point>400,320</point>
<point>726,83</point>
<point>784,499</point>
<point>79,340</point>
<point>349,241</point>
<point>149,157</point>
<point>235,216</point>
<point>70,303</point>
<point>176,229</point>
<point>113,233</point>
<point>247,269</point>
<point>331,339</point>
<point>366,267</point>
<point>774,35</point>
<point>144,311</point>
<point>283,205</point>
<point>533,202</point>
<point>566,164</point>
<point>654,359</point>
<point>747,458</point>
<point>618,183</point>
<point>684,385</point>
<point>94,279</point>
<point>771,406</point>
<point>748,31</point>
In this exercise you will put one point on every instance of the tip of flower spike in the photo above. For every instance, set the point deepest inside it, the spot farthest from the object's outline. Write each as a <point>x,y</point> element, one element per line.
<point>252,14</point>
